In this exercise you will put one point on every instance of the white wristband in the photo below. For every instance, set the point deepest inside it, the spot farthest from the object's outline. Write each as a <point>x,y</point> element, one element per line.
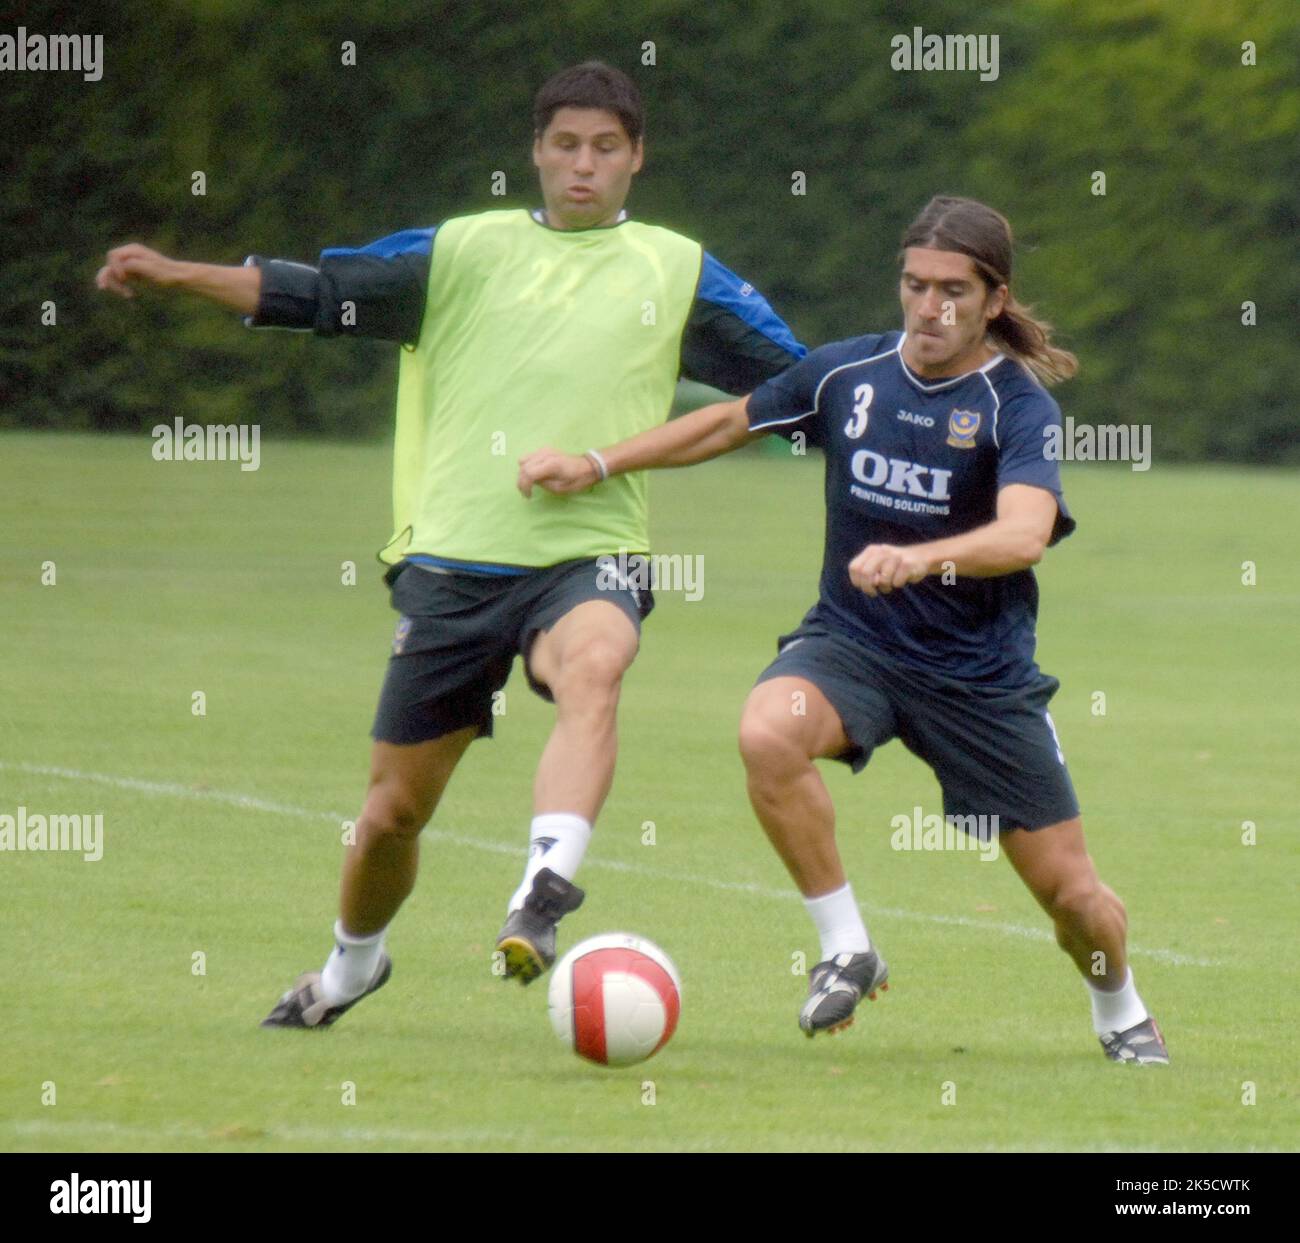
<point>598,462</point>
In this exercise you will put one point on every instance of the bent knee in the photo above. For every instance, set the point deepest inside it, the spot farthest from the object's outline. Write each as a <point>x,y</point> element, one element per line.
<point>392,812</point>
<point>596,668</point>
<point>770,746</point>
<point>1081,900</point>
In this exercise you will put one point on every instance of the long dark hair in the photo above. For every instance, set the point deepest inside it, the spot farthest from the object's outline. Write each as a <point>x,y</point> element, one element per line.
<point>975,229</point>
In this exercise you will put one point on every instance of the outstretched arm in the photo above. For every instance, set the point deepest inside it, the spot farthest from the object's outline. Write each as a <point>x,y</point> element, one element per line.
<point>376,291</point>
<point>132,265</point>
<point>695,437</point>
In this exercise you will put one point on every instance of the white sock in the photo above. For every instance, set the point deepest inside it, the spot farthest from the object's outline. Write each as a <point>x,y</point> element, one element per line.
<point>351,965</point>
<point>557,840</point>
<point>839,923</point>
<point>1117,1011</point>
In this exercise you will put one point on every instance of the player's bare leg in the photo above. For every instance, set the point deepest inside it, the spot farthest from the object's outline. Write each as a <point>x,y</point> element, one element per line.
<point>406,785</point>
<point>787,723</point>
<point>379,870</point>
<point>582,659</point>
<point>1091,926</point>
<point>1090,921</point>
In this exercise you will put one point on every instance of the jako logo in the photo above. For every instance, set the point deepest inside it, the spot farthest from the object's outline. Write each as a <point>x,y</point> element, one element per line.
<point>103,1195</point>
<point>895,475</point>
<point>921,420</point>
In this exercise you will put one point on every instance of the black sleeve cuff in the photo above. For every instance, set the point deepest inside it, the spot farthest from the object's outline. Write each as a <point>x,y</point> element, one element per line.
<point>719,348</point>
<point>290,295</point>
<point>377,296</point>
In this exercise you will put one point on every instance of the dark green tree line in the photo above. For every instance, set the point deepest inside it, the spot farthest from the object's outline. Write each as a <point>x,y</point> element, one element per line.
<point>1145,282</point>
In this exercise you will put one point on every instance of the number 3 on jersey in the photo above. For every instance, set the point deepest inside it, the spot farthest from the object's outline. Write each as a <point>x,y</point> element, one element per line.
<point>862,396</point>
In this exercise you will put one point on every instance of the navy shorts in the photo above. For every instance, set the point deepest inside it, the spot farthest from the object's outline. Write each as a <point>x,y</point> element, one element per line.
<point>994,750</point>
<point>459,635</point>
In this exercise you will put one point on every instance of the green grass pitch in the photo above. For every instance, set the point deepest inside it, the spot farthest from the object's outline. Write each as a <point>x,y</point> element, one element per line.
<point>222,836</point>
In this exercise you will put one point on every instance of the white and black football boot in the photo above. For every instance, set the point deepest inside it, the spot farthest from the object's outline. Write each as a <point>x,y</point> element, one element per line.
<point>1141,1045</point>
<point>836,986</point>
<point>305,1006</point>
<point>527,941</point>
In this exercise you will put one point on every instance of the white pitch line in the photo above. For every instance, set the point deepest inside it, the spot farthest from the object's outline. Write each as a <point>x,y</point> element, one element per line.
<point>246,802</point>
<point>211,1137</point>
<point>172,789</point>
<point>259,1134</point>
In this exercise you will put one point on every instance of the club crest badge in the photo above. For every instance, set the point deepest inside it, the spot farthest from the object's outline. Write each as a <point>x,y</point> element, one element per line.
<point>962,426</point>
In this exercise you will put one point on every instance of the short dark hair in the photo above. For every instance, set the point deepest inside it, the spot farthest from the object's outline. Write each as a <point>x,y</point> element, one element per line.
<point>593,84</point>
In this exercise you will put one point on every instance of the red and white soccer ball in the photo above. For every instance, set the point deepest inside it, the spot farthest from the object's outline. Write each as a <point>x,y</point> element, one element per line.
<point>614,999</point>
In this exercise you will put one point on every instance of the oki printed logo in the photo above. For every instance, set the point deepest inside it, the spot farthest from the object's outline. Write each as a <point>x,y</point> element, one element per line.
<point>895,475</point>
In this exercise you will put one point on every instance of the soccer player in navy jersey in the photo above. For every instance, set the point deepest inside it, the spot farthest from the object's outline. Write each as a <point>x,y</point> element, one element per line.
<point>939,498</point>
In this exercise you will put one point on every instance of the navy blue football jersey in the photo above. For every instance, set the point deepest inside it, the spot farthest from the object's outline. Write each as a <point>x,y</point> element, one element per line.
<point>911,460</point>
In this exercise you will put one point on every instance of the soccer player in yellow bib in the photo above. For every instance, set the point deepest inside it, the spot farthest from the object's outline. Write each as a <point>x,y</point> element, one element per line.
<point>519,329</point>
